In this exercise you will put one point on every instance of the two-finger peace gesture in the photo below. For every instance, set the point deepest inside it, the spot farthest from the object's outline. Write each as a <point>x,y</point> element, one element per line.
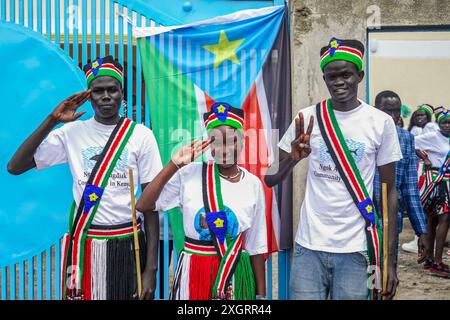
<point>191,152</point>
<point>300,147</point>
<point>65,111</point>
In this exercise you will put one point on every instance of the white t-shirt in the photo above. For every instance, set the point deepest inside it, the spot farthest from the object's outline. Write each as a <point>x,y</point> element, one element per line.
<point>244,203</point>
<point>436,145</point>
<point>429,127</point>
<point>79,143</point>
<point>329,219</point>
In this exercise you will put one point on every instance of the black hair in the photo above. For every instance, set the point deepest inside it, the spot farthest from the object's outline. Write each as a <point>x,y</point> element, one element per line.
<point>386,94</point>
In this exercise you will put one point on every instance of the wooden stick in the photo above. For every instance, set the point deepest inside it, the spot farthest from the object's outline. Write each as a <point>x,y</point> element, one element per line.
<point>385,234</point>
<point>135,234</point>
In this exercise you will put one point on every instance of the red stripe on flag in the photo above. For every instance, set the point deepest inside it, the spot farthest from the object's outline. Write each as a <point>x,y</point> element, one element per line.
<point>259,150</point>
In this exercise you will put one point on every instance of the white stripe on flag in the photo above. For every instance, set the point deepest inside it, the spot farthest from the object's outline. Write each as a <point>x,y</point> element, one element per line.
<point>265,114</point>
<point>233,17</point>
<point>202,108</point>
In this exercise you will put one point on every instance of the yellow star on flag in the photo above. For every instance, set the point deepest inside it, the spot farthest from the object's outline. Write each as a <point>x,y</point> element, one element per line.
<point>334,44</point>
<point>95,65</point>
<point>369,209</point>
<point>224,50</point>
<point>221,109</point>
<point>219,223</point>
<point>93,197</point>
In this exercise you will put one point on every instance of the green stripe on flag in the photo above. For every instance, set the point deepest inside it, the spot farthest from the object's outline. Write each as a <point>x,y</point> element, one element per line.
<point>173,110</point>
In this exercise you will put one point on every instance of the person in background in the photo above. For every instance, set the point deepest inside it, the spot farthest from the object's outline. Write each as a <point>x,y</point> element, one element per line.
<point>406,179</point>
<point>421,120</point>
<point>434,187</point>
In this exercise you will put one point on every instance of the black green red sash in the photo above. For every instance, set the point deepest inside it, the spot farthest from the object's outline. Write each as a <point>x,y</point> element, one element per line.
<point>349,172</point>
<point>228,249</point>
<point>80,222</point>
<point>433,177</point>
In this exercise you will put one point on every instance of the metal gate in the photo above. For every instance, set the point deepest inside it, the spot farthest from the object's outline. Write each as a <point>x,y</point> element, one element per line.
<point>86,29</point>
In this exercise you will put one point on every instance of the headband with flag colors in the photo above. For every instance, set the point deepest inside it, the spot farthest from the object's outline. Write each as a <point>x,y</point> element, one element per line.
<point>222,114</point>
<point>443,114</point>
<point>427,108</point>
<point>106,66</point>
<point>347,50</point>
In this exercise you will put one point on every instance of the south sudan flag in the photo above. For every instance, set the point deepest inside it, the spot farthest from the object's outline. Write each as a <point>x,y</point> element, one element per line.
<point>242,59</point>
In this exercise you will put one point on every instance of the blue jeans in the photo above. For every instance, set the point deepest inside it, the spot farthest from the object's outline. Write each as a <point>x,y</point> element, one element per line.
<point>318,275</point>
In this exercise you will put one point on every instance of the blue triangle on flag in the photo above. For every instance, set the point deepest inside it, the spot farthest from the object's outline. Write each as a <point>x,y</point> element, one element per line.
<point>91,196</point>
<point>218,224</point>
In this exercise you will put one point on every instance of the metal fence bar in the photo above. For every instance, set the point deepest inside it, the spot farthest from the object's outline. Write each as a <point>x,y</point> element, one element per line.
<point>139,113</point>
<point>30,294</point>
<point>39,276</point>
<point>269,277</point>
<point>158,284</point>
<point>166,256</point>
<point>48,20</point>
<point>12,11</point>
<point>147,108</point>
<point>120,32</point>
<point>93,30</point>
<point>74,23</point>
<point>22,280</point>
<point>102,28</point>
<point>130,64</point>
<point>30,22</point>
<point>21,12</point>
<point>112,14</point>
<point>58,270</point>
<point>3,15</point>
<point>48,274</point>
<point>83,32</point>
<point>12,282</point>
<point>3,271</point>
<point>39,16</point>
<point>57,22</point>
<point>66,19</point>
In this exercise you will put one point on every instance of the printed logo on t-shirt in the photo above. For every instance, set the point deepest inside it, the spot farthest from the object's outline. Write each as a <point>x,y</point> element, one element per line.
<point>202,229</point>
<point>119,177</point>
<point>357,150</point>
<point>327,168</point>
<point>91,155</point>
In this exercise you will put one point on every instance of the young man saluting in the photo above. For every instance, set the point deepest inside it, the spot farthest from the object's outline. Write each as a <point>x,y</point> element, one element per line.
<point>99,261</point>
<point>338,242</point>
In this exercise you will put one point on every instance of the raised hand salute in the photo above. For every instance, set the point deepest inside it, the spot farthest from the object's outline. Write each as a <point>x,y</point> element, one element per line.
<point>66,110</point>
<point>23,158</point>
<point>182,157</point>
<point>191,152</point>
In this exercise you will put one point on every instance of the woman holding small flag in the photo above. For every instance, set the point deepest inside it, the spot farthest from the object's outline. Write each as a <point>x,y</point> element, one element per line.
<point>435,189</point>
<point>223,214</point>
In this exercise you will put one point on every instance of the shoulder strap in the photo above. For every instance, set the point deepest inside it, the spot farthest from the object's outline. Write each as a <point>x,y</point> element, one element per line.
<point>90,200</point>
<point>350,175</point>
<point>228,250</point>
